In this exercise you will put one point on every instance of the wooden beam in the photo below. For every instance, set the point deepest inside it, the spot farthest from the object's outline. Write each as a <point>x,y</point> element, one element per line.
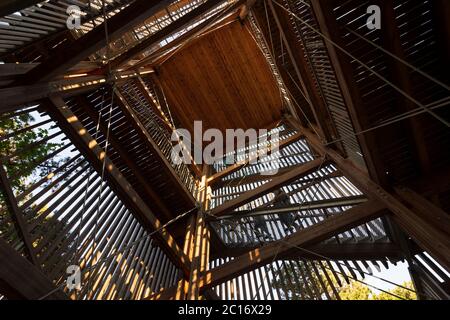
<point>81,138</point>
<point>421,230</point>
<point>17,215</point>
<point>143,133</point>
<point>19,279</point>
<point>14,98</point>
<point>344,75</point>
<point>235,167</point>
<point>258,178</point>
<point>274,184</point>
<point>246,8</point>
<point>181,41</point>
<point>69,55</point>
<point>278,249</point>
<point>8,7</point>
<point>157,37</point>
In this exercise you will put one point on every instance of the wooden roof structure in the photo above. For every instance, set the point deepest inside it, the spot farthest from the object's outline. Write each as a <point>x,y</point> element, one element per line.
<point>362,117</point>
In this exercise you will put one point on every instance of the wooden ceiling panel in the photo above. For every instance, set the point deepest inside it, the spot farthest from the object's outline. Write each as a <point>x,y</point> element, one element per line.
<point>222,79</point>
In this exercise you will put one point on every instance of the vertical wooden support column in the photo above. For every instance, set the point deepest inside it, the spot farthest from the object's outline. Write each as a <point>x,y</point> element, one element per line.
<point>17,215</point>
<point>200,257</point>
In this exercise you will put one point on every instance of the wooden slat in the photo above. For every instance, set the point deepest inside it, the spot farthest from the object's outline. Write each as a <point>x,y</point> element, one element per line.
<point>274,184</point>
<point>177,25</point>
<point>158,111</point>
<point>149,192</point>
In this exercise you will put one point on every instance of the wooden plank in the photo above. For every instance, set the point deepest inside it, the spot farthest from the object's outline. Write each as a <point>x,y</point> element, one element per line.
<point>274,184</point>
<point>314,234</point>
<point>69,55</point>
<point>85,141</point>
<point>19,279</point>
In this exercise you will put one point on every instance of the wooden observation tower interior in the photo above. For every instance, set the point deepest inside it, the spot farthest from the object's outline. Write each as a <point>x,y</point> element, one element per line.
<point>87,177</point>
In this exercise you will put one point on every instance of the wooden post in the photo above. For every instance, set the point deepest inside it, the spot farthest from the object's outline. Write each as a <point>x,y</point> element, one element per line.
<point>17,215</point>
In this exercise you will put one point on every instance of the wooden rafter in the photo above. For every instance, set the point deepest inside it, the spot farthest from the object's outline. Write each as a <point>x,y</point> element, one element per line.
<point>401,77</point>
<point>297,56</point>
<point>164,33</point>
